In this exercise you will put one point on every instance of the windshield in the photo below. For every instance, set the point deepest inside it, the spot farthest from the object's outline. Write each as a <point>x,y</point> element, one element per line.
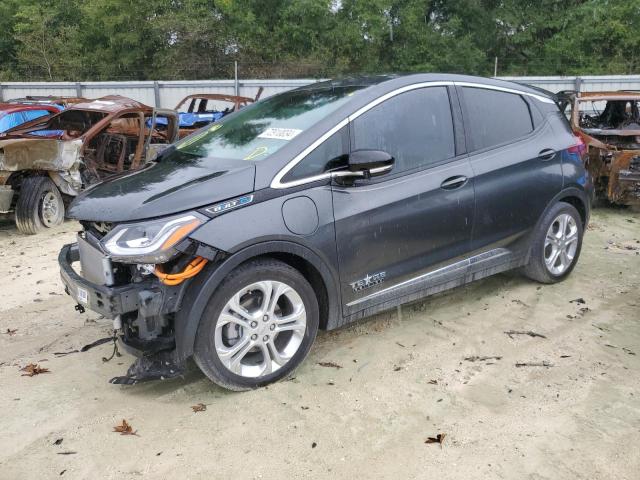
<point>66,125</point>
<point>259,130</point>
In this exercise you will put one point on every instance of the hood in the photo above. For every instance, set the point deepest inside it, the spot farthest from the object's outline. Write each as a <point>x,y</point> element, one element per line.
<point>166,187</point>
<point>37,153</point>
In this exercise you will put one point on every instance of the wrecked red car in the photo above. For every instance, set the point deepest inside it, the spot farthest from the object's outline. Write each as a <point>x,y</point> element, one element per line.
<point>609,125</point>
<point>45,163</point>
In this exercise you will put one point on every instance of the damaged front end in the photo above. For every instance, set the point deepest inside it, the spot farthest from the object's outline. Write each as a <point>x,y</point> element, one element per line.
<point>138,279</point>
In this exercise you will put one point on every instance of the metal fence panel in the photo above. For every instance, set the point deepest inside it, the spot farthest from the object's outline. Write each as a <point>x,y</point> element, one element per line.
<point>168,93</point>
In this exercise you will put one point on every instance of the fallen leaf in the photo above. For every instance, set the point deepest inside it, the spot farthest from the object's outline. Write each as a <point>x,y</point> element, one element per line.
<point>578,300</point>
<point>125,429</point>
<point>11,332</point>
<point>329,365</point>
<point>432,382</point>
<point>33,369</point>
<point>437,439</point>
<point>58,441</point>
<point>397,369</point>
<point>314,445</point>
<point>200,407</point>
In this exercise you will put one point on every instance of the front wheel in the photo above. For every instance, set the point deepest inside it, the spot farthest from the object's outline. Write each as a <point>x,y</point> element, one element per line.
<point>258,326</point>
<point>39,205</point>
<point>556,245</point>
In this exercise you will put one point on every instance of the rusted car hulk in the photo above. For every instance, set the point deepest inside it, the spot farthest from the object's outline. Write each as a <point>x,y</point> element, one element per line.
<point>201,109</point>
<point>609,124</point>
<point>45,163</point>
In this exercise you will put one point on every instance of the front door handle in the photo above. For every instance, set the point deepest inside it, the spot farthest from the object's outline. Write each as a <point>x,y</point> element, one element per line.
<point>452,183</point>
<point>547,154</point>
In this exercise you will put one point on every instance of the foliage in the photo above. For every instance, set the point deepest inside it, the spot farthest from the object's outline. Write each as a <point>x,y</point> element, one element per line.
<point>199,39</point>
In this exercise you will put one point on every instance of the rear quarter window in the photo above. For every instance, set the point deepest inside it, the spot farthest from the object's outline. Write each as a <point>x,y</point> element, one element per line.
<point>493,118</point>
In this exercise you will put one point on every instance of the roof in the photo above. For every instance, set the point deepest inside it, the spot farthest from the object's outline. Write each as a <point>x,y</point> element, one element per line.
<point>367,81</point>
<point>29,99</point>
<point>17,107</point>
<point>218,96</point>
<point>111,104</point>
<point>616,95</point>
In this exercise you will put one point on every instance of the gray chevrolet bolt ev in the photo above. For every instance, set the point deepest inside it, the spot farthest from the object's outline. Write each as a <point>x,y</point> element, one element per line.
<point>322,205</point>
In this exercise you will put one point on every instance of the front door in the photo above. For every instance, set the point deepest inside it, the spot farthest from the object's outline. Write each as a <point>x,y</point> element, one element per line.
<point>393,230</point>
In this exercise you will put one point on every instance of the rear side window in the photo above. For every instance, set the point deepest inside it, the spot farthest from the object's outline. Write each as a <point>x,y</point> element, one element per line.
<point>415,127</point>
<point>494,118</point>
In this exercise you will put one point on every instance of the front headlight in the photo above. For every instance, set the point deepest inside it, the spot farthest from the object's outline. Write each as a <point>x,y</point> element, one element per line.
<point>150,241</point>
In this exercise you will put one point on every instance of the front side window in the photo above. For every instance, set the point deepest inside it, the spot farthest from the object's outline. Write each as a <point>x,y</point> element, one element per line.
<point>329,155</point>
<point>494,117</point>
<point>415,127</point>
<point>261,129</point>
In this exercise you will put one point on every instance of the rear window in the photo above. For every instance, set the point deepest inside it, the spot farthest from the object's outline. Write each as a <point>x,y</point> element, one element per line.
<point>261,129</point>
<point>494,117</point>
<point>619,114</point>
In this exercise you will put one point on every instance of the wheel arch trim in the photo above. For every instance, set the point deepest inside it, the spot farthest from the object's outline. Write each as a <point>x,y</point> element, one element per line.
<point>563,195</point>
<point>200,290</point>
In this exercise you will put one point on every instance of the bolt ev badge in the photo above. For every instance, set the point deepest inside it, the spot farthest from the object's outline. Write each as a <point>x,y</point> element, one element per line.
<point>229,204</point>
<point>368,281</point>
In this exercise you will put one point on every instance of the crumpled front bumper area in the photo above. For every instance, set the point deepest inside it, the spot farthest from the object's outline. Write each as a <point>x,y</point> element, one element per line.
<point>137,307</point>
<point>107,301</point>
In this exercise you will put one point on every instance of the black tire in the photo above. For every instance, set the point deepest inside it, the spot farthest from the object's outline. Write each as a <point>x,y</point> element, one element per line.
<point>31,217</point>
<point>265,269</point>
<point>537,267</point>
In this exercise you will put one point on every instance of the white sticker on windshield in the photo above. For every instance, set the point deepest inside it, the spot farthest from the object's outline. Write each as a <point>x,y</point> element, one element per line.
<point>280,133</point>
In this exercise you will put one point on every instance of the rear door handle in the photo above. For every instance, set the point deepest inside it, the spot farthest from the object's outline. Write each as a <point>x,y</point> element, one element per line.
<point>546,154</point>
<point>452,183</point>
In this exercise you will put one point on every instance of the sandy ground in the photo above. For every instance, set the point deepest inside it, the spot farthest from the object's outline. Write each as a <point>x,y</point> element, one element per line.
<point>403,379</point>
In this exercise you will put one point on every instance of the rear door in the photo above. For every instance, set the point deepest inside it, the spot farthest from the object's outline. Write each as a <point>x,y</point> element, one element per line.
<point>393,229</point>
<point>516,163</point>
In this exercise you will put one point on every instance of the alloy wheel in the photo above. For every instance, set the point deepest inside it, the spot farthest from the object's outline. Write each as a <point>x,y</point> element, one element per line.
<point>561,244</point>
<point>260,329</point>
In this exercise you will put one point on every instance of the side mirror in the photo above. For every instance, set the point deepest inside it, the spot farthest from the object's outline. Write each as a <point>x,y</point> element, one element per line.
<point>366,164</point>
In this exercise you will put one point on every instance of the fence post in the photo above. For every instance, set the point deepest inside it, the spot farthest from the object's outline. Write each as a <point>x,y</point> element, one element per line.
<point>78,89</point>
<point>1,97</point>
<point>235,74</point>
<point>156,94</point>
<point>577,84</point>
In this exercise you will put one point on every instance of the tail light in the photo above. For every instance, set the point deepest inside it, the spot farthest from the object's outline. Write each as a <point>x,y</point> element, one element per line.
<point>580,148</point>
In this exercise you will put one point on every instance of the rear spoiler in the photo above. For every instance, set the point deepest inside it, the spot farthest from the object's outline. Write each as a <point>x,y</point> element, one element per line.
<point>562,99</point>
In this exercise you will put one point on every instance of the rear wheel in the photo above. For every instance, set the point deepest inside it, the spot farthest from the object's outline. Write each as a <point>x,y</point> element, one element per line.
<point>556,245</point>
<point>258,327</point>
<point>40,205</point>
